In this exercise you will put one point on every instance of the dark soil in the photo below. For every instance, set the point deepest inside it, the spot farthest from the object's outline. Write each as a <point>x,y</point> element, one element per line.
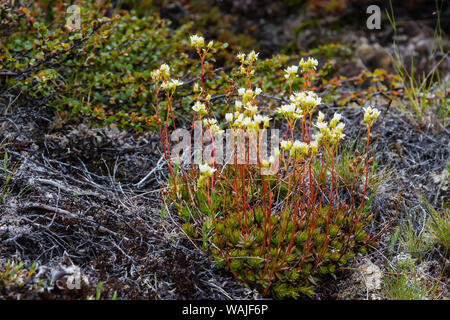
<point>72,201</point>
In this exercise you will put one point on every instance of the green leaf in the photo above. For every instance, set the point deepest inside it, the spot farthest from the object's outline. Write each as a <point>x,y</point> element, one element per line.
<point>394,240</point>
<point>99,291</point>
<point>163,210</point>
<point>5,161</point>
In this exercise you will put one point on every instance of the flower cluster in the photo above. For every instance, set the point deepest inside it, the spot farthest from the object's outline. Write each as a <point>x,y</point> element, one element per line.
<point>198,42</point>
<point>310,63</point>
<point>306,100</point>
<point>163,74</point>
<point>246,114</point>
<point>330,134</point>
<point>247,62</point>
<point>269,163</point>
<point>299,148</point>
<point>248,59</point>
<point>290,111</point>
<point>171,84</point>
<point>206,172</point>
<point>248,95</point>
<point>301,103</point>
<point>370,115</point>
<point>213,127</point>
<point>200,108</point>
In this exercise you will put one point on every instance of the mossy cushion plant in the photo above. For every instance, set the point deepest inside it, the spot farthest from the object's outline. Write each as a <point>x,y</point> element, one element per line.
<point>276,223</point>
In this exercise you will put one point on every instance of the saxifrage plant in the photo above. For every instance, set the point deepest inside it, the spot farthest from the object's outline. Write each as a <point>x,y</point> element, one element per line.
<point>275,222</point>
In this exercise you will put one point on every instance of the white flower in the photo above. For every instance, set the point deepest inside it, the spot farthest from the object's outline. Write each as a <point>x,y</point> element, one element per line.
<point>371,115</point>
<point>338,135</point>
<point>246,122</point>
<point>238,105</point>
<point>248,94</point>
<point>271,160</point>
<point>340,127</point>
<point>257,118</point>
<point>171,84</point>
<point>241,57</point>
<point>251,108</point>
<point>291,72</point>
<point>321,117</point>
<point>176,83</point>
<point>265,120</point>
<point>199,107</point>
<point>156,74</point>
<point>206,170</point>
<point>215,130</point>
<point>300,146</point>
<point>286,144</point>
<point>321,125</point>
<point>209,122</point>
<point>164,70</point>
<point>266,163</point>
<point>318,138</point>
<point>252,57</point>
<point>287,109</point>
<point>307,100</point>
<point>336,118</point>
<point>197,41</point>
<point>238,119</point>
<point>229,117</point>
<point>296,145</point>
<point>298,114</point>
<point>375,114</point>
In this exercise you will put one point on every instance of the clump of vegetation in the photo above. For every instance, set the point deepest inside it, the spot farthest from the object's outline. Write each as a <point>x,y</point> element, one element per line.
<point>404,283</point>
<point>6,177</point>
<point>438,226</point>
<point>18,281</point>
<point>427,93</point>
<point>99,69</point>
<point>274,221</point>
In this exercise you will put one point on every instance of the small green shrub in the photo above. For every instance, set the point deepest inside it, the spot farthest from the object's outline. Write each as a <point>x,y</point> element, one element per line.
<point>100,71</point>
